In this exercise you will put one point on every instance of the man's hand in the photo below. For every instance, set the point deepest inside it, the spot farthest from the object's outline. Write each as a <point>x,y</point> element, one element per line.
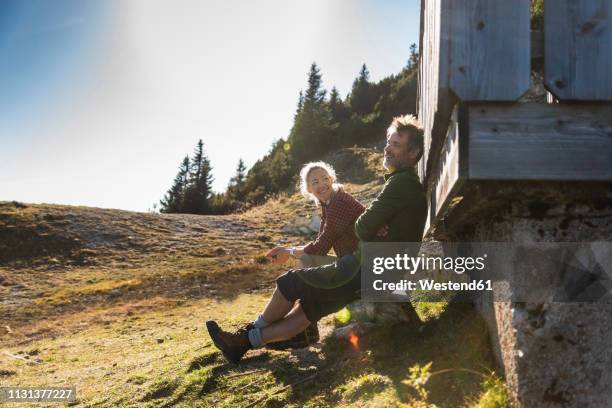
<point>383,231</point>
<point>278,255</point>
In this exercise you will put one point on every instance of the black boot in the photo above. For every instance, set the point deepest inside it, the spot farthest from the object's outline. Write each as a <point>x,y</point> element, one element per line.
<point>232,345</point>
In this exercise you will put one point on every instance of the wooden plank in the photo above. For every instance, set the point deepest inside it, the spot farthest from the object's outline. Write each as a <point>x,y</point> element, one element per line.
<point>450,172</point>
<point>578,49</point>
<point>428,75</point>
<point>435,99</point>
<point>540,142</point>
<point>488,56</point>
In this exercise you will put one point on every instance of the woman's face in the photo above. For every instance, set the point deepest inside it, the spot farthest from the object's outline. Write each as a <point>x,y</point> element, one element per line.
<point>320,184</point>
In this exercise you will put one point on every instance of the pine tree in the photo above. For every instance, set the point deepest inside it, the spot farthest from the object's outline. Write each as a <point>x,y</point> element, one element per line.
<point>185,171</point>
<point>240,173</point>
<point>236,188</point>
<point>336,106</point>
<point>364,74</point>
<point>339,117</point>
<point>413,61</point>
<point>314,94</point>
<point>198,156</point>
<point>173,200</point>
<point>199,191</point>
<point>334,97</point>
<point>362,99</point>
<point>300,105</point>
<point>312,126</point>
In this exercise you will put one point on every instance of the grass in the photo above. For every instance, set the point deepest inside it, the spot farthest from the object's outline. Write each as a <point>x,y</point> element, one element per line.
<point>114,303</point>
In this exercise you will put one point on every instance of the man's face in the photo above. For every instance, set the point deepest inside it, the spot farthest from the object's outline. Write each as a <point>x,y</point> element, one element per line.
<point>397,154</point>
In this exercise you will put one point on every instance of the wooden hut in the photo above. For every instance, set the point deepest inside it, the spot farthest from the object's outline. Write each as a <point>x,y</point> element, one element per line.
<point>518,146</point>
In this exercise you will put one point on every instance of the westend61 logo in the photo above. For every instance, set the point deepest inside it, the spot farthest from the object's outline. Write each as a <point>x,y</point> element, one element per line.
<point>492,271</point>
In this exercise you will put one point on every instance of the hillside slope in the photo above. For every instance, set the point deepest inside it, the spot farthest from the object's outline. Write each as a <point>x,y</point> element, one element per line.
<point>113,302</point>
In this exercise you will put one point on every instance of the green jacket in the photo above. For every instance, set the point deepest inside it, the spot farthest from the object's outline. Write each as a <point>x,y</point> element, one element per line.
<point>401,206</point>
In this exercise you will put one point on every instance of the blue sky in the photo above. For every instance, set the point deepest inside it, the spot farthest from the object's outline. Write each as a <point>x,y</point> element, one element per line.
<point>101,100</point>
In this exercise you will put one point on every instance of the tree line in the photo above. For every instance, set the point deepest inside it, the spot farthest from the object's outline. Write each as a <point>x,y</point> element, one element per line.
<point>322,122</point>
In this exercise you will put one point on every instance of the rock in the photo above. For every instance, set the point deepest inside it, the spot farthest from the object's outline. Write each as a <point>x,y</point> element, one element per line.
<point>358,329</point>
<point>384,313</point>
<point>289,229</point>
<point>219,251</point>
<point>303,226</point>
<point>159,340</point>
<point>315,223</point>
<point>114,293</point>
<point>304,230</point>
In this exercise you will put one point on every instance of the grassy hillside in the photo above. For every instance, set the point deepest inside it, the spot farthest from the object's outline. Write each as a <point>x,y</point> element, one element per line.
<point>113,302</point>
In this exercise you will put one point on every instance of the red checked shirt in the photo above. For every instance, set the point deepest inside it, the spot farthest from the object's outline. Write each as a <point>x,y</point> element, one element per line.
<point>337,228</point>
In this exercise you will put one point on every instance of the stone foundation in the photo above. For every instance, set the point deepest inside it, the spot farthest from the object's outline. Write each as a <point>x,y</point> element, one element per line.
<point>552,354</point>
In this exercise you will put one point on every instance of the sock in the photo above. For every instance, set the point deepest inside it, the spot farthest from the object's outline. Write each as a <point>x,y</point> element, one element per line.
<point>255,338</point>
<point>260,323</point>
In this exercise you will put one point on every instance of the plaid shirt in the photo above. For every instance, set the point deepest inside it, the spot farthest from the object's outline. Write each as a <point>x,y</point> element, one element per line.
<point>337,228</point>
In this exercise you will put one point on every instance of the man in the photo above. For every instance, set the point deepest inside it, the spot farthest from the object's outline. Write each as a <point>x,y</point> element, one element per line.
<point>396,215</point>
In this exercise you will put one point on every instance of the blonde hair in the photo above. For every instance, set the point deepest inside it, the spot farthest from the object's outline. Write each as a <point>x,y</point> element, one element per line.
<point>305,172</point>
<point>409,124</point>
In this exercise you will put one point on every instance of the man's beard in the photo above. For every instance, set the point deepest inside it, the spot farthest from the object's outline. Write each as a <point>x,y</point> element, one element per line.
<point>388,163</point>
<point>392,164</point>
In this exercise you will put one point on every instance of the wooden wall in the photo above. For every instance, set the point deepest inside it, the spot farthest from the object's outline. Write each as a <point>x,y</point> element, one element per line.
<point>475,65</point>
<point>578,49</point>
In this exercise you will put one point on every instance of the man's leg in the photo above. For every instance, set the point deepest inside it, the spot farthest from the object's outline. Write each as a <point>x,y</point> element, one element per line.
<point>311,261</point>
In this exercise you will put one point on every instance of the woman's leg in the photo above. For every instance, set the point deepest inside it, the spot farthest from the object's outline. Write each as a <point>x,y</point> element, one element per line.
<point>292,324</point>
<point>277,307</point>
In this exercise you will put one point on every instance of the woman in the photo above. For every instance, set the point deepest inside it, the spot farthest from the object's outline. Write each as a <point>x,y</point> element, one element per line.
<point>339,210</point>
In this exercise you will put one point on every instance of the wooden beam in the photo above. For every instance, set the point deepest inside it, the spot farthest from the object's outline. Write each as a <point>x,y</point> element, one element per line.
<point>540,142</point>
<point>511,142</point>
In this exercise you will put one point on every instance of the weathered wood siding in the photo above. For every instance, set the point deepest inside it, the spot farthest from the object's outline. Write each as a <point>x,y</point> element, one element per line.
<point>429,48</point>
<point>448,172</point>
<point>471,50</point>
<point>578,62</point>
<point>475,58</point>
<point>540,142</point>
<point>489,49</point>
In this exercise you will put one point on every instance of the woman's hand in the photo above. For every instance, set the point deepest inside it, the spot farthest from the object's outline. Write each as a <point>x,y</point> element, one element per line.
<point>278,255</point>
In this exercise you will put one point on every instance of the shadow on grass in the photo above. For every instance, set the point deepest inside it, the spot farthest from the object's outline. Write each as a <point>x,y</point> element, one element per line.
<point>457,341</point>
<point>338,372</point>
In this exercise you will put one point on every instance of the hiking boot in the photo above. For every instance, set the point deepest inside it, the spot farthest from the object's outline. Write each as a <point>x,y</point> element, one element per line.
<point>305,338</point>
<point>232,345</point>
